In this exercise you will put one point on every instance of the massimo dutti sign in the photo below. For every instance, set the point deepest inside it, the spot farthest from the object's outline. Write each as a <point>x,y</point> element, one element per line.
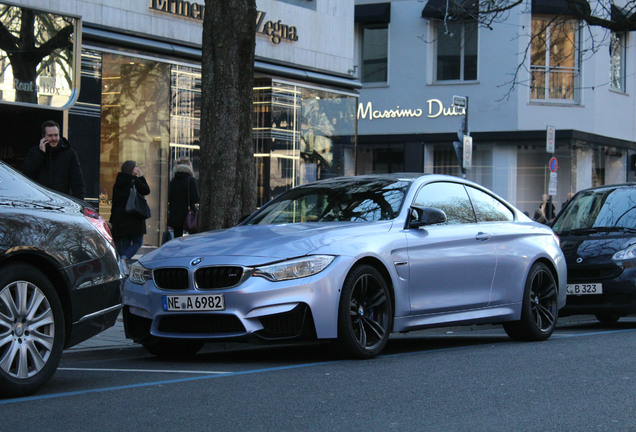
<point>274,30</point>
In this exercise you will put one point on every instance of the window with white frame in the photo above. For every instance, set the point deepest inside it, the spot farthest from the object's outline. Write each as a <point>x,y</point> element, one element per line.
<point>617,61</point>
<point>375,53</point>
<point>456,50</point>
<point>555,62</point>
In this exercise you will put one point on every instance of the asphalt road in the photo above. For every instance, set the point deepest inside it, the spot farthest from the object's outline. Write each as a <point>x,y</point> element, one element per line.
<point>455,379</point>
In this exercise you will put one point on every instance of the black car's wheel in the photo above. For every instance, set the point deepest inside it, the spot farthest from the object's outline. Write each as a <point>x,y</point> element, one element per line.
<point>540,307</point>
<point>607,317</point>
<point>31,329</point>
<point>171,348</point>
<point>365,313</point>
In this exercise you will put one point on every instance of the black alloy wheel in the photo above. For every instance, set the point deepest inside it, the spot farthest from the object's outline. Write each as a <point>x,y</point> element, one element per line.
<point>365,313</point>
<point>31,330</point>
<point>539,311</point>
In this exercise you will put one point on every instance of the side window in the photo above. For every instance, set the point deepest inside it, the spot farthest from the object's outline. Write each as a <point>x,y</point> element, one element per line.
<point>488,208</point>
<point>449,197</point>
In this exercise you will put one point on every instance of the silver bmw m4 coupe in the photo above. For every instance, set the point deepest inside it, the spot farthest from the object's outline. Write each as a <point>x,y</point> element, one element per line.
<point>351,260</point>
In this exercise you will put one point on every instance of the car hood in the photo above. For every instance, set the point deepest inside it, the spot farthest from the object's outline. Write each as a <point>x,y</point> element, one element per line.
<point>598,248</point>
<point>263,243</point>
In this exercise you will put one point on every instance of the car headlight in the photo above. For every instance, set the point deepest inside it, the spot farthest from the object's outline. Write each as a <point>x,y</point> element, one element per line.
<point>295,268</point>
<point>625,254</point>
<point>139,274</point>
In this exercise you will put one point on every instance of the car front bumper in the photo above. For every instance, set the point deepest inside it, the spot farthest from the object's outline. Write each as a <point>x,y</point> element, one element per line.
<point>618,297</point>
<point>270,310</point>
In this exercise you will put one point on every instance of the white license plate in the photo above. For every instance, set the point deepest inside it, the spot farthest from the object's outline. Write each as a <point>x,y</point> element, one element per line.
<point>583,289</point>
<point>210,302</point>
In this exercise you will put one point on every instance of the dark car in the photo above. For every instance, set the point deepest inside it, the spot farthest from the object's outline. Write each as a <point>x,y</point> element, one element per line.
<point>60,280</point>
<point>597,229</point>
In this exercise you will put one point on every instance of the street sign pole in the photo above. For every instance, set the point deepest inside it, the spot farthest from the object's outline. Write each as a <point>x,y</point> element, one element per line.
<point>465,140</point>
<point>553,165</point>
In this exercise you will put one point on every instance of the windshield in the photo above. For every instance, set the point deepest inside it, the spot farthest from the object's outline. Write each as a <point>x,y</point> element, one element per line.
<point>601,208</point>
<point>354,200</point>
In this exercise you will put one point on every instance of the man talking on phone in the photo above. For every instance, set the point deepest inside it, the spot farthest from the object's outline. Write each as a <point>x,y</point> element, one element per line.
<point>54,164</point>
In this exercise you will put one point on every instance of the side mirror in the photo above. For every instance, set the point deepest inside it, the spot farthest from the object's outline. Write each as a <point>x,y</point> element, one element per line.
<point>423,216</point>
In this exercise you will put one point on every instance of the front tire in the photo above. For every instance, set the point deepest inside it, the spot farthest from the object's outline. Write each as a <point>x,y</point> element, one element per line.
<point>31,330</point>
<point>540,309</point>
<point>365,313</point>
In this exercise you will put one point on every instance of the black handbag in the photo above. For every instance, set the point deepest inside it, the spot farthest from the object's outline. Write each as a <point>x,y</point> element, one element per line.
<point>136,204</point>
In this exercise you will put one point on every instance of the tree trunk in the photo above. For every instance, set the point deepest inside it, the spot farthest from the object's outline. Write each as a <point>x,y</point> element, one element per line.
<point>227,168</point>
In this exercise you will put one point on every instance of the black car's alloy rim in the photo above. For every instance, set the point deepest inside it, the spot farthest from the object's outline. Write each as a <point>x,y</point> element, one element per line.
<point>369,312</point>
<point>27,329</point>
<point>543,303</point>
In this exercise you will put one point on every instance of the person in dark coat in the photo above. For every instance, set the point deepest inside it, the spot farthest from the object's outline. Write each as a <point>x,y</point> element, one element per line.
<point>183,194</point>
<point>54,164</point>
<point>128,230</point>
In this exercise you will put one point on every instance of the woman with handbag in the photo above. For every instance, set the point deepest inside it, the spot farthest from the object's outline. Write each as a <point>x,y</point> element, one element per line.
<point>127,228</point>
<point>183,194</point>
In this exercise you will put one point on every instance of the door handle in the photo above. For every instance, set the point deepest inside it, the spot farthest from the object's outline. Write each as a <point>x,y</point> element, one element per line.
<point>482,236</point>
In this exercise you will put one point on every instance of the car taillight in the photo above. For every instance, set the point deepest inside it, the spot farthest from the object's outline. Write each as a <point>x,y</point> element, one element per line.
<point>99,223</point>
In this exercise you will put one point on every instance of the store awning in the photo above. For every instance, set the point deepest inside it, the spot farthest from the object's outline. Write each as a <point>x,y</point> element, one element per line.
<point>457,9</point>
<point>549,7</point>
<point>377,13</point>
<point>171,49</point>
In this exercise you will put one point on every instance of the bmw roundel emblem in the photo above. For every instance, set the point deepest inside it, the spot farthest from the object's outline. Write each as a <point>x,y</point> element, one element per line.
<point>579,260</point>
<point>196,261</point>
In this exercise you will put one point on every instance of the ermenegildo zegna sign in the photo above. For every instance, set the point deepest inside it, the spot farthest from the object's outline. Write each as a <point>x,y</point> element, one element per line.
<point>275,31</point>
<point>39,57</point>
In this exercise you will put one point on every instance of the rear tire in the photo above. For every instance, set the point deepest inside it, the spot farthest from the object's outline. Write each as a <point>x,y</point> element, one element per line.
<point>539,311</point>
<point>171,348</point>
<point>365,313</point>
<point>31,330</point>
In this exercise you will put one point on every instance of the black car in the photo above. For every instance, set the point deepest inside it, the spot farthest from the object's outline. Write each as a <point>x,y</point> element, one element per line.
<point>597,229</point>
<point>60,280</point>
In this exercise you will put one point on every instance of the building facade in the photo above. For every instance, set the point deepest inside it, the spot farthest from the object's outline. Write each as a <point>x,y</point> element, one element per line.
<point>135,92</point>
<point>523,91</point>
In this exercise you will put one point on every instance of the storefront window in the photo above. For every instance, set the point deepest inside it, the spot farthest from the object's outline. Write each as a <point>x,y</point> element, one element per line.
<point>151,113</point>
<point>135,124</point>
<point>185,114</point>
<point>39,57</point>
<point>301,134</point>
<point>380,158</point>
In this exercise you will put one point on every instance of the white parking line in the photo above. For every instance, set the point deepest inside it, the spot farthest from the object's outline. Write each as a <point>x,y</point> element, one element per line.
<point>146,370</point>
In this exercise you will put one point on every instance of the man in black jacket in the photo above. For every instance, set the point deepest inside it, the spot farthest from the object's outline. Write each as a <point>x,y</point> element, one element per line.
<point>54,163</point>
